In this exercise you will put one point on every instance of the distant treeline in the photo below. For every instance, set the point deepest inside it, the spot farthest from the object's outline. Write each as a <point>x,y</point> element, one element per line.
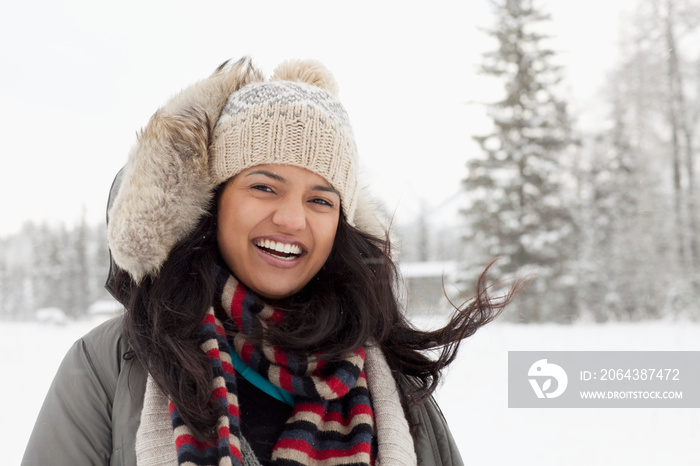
<point>50,265</point>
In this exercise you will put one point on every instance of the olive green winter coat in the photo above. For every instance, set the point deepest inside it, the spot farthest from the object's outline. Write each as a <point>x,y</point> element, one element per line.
<point>93,410</point>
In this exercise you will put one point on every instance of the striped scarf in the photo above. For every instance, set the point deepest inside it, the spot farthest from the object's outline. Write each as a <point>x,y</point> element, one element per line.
<point>332,419</point>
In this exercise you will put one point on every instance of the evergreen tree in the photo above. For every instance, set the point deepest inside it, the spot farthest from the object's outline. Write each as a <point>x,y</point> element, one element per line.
<point>648,251</point>
<point>78,264</point>
<point>521,188</point>
<point>99,262</point>
<point>618,250</point>
<point>48,271</point>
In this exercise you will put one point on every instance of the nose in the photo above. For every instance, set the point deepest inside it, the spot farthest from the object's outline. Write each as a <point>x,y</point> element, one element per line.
<point>290,215</point>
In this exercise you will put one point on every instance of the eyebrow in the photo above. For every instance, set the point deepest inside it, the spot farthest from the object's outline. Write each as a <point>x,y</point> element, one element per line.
<point>276,177</point>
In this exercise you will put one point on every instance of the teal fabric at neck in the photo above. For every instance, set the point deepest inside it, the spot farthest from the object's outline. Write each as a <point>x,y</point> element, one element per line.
<point>258,380</point>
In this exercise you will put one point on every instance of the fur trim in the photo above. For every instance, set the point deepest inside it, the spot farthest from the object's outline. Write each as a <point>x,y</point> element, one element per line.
<point>372,219</point>
<point>167,186</point>
<point>306,71</point>
<point>368,218</point>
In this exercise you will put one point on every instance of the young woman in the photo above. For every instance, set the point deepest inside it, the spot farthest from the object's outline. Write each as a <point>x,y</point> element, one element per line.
<point>262,325</point>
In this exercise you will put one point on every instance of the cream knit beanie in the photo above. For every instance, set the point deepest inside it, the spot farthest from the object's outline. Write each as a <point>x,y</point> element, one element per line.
<point>295,119</point>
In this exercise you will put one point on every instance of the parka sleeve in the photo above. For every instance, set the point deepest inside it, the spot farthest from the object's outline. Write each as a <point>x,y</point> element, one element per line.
<point>74,425</point>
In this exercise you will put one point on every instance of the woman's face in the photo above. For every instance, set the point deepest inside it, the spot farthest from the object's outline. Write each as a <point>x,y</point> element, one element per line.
<point>276,227</point>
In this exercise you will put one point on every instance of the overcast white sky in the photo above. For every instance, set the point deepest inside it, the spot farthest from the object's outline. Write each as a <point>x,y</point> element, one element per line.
<point>79,78</point>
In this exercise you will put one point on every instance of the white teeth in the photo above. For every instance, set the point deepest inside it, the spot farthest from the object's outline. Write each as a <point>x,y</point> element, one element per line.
<point>284,248</point>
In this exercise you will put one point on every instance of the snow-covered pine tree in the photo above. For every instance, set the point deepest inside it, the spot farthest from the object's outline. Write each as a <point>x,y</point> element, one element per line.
<point>98,262</point>
<point>49,272</point>
<point>619,258</point>
<point>653,249</point>
<point>522,188</point>
<point>77,254</point>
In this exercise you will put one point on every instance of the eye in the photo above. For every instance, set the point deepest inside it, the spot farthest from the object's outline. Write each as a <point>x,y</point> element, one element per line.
<point>322,202</point>
<point>262,187</point>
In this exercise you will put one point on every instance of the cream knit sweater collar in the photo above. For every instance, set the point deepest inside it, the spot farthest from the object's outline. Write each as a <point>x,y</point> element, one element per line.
<point>155,444</point>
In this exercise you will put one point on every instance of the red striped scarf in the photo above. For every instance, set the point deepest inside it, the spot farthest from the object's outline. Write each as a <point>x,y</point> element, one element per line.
<point>332,420</point>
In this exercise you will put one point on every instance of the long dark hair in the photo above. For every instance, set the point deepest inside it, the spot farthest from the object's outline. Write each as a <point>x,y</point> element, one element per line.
<point>350,302</point>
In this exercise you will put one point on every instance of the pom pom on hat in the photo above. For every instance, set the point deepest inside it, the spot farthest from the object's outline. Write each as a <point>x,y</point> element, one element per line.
<point>306,71</point>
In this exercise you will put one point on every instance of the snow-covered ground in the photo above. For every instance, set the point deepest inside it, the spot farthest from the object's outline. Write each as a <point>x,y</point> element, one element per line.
<point>473,397</point>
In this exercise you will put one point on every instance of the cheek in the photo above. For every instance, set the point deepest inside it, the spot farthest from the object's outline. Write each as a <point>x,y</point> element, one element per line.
<point>326,239</point>
<point>224,242</point>
<point>229,234</point>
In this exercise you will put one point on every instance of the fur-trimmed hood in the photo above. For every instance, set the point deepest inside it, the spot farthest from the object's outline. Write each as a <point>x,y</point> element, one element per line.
<point>167,184</point>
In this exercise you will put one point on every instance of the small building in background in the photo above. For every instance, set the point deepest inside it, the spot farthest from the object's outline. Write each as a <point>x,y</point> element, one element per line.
<point>51,315</point>
<point>104,309</point>
<point>425,283</point>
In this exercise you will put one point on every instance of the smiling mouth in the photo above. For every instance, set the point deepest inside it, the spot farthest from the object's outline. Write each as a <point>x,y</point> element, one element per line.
<point>284,251</point>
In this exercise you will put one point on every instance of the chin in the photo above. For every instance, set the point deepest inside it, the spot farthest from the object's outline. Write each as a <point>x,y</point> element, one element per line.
<point>276,294</point>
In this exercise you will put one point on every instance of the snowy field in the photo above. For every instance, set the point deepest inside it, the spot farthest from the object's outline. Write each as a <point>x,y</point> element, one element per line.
<point>473,397</point>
